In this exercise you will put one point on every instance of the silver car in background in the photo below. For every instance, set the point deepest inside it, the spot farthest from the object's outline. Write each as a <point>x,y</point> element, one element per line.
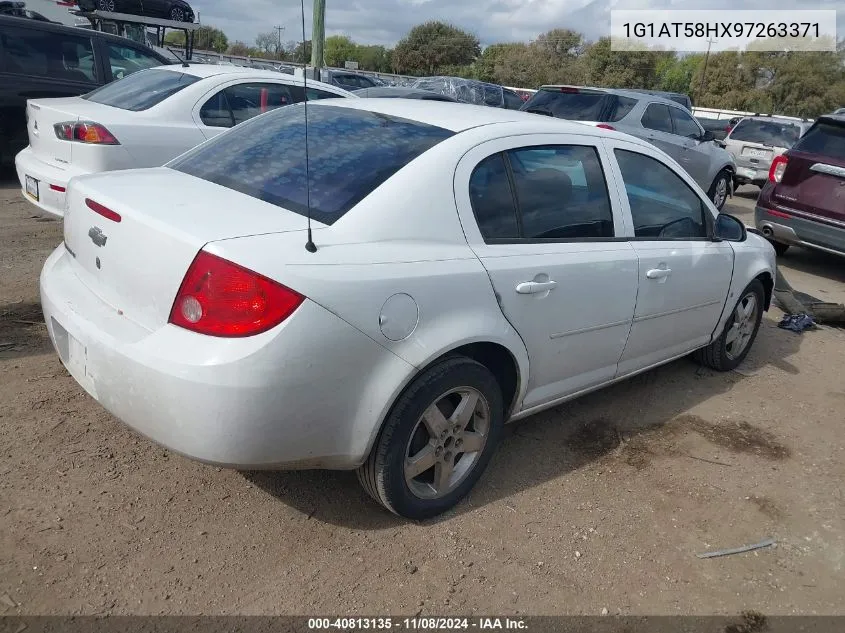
<point>662,122</point>
<point>755,141</point>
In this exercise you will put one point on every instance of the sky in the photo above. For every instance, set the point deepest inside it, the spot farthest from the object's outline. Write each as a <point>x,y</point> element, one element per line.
<point>386,21</point>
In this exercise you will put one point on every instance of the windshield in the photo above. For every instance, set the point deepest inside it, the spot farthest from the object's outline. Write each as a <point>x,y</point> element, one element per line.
<point>773,133</point>
<point>351,153</point>
<point>824,138</point>
<point>141,90</point>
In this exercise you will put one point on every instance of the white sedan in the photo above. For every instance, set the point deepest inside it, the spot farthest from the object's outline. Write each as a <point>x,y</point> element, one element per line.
<point>144,120</point>
<point>468,266</point>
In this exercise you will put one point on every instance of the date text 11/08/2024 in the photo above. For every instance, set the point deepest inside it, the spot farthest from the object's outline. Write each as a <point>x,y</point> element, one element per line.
<point>416,624</point>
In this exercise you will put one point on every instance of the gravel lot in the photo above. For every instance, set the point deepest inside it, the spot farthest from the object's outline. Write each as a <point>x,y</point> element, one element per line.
<point>599,504</point>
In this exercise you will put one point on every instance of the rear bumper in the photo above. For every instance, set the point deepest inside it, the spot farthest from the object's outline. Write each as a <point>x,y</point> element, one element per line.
<point>52,181</point>
<point>299,396</point>
<point>799,231</point>
<point>745,174</point>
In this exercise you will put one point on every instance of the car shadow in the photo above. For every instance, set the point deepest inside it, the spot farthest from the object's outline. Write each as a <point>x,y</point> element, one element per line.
<point>621,420</point>
<point>22,331</point>
<point>749,192</point>
<point>813,262</point>
<point>8,177</point>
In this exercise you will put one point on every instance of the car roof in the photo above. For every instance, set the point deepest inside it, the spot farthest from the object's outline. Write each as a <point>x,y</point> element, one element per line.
<point>779,119</point>
<point>631,94</point>
<point>213,70</point>
<point>399,91</point>
<point>458,117</point>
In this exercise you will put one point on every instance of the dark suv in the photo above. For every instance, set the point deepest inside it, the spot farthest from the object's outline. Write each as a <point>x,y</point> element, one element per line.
<point>803,201</point>
<point>43,59</point>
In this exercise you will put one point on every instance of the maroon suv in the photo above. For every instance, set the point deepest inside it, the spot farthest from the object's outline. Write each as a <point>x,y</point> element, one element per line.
<point>803,202</point>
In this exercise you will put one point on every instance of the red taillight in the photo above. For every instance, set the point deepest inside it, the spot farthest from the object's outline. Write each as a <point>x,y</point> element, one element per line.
<point>107,213</point>
<point>778,214</point>
<point>569,90</point>
<point>605,126</point>
<point>777,168</point>
<point>85,132</point>
<point>220,298</point>
<point>58,188</point>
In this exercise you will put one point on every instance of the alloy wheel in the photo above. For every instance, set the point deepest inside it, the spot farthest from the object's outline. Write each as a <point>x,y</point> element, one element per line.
<point>742,327</point>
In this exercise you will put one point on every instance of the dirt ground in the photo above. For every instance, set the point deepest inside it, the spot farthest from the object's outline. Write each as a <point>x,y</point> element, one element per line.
<point>599,504</point>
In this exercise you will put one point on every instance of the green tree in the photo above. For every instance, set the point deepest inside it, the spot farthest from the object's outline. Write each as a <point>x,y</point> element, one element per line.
<point>377,58</point>
<point>622,69</point>
<point>338,50</point>
<point>432,46</point>
<point>206,38</point>
<point>298,52</point>
<point>675,74</point>
<point>241,49</point>
<point>268,44</point>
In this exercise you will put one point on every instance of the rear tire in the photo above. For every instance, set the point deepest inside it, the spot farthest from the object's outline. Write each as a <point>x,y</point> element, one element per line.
<point>780,248</point>
<point>732,346</point>
<point>719,189</point>
<point>422,429</point>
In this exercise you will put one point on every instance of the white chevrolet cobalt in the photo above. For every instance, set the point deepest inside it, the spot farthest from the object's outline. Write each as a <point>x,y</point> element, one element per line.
<point>467,266</point>
<point>144,120</point>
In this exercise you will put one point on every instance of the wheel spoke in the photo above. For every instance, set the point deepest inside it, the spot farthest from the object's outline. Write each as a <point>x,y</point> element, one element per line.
<point>435,421</point>
<point>465,409</point>
<point>442,474</point>
<point>472,442</point>
<point>750,306</point>
<point>733,335</point>
<point>421,462</point>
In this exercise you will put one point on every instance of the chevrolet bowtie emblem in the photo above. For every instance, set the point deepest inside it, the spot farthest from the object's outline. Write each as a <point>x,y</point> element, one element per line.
<point>97,236</point>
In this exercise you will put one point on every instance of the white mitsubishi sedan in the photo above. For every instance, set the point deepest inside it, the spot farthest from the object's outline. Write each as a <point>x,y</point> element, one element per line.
<point>467,266</point>
<point>144,120</point>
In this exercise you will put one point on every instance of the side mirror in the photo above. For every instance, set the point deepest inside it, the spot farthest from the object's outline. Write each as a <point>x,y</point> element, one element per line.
<point>729,229</point>
<point>707,136</point>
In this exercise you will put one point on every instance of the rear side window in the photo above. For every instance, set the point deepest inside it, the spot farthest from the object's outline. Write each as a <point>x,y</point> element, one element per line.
<point>657,117</point>
<point>559,193</point>
<point>47,54</point>
<point>622,107</point>
<point>771,133</point>
<point>125,60</point>
<point>241,102</point>
<point>576,106</point>
<point>824,138</point>
<point>142,90</point>
<point>351,153</point>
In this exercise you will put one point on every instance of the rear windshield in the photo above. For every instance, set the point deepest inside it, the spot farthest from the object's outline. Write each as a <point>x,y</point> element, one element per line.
<point>824,138</point>
<point>580,106</point>
<point>351,153</point>
<point>771,133</point>
<point>141,90</point>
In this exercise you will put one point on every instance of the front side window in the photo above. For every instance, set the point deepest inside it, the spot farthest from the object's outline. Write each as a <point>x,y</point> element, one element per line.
<point>125,60</point>
<point>684,124</point>
<point>663,206</point>
<point>558,193</point>
<point>657,117</point>
<point>350,154</point>
<point>48,55</point>
<point>249,100</point>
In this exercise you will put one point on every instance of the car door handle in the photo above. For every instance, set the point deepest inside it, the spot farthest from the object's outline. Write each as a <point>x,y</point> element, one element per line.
<point>658,273</point>
<point>535,287</point>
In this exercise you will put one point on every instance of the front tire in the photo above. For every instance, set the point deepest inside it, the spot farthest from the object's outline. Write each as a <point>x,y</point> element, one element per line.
<point>719,189</point>
<point>437,440</point>
<point>732,346</point>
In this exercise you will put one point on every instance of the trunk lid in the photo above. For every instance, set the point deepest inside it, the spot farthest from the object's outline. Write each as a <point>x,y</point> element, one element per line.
<point>814,179</point>
<point>43,114</point>
<point>137,264</point>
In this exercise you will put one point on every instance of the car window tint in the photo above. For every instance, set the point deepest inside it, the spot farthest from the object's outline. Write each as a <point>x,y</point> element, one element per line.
<point>313,94</point>
<point>684,124</point>
<point>824,138</point>
<point>351,153</point>
<point>656,117</point>
<point>47,54</point>
<point>512,100</point>
<point>621,108</point>
<point>216,113</point>
<point>577,106</point>
<point>663,206</point>
<point>561,192</point>
<point>125,60</point>
<point>249,100</point>
<point>774,133</point>
<point>492,199</point>
<point>141,90</point>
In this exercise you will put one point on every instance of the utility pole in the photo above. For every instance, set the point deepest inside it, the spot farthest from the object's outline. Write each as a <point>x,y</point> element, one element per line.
<point>704,71</point>
<point>279,46</point>
<point>318,36</point>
